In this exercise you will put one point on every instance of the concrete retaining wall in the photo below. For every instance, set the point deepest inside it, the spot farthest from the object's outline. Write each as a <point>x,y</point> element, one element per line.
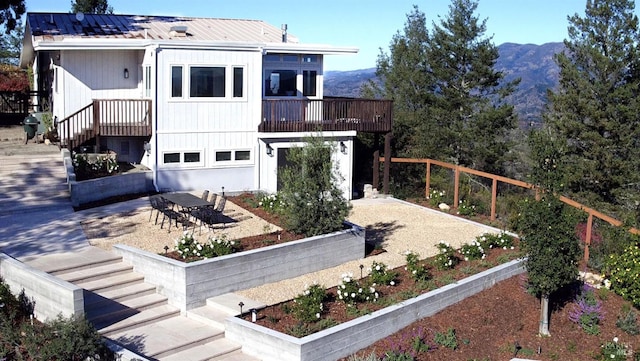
<point>188,285</point>
<point>52,295</point>
<point>347,338</point>
<point>101,188</point>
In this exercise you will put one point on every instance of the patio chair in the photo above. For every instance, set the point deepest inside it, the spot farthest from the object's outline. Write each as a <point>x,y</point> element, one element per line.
<point>205,194</point>
<point>219,210</point>
<point>167,210</point>
<point>213,199</point>
<point>155,206</point>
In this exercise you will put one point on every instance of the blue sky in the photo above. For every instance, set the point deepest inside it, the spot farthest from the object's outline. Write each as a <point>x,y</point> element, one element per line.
<point>366,24</point>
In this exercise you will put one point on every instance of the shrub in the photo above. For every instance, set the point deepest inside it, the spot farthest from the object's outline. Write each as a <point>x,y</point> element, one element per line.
<point>613,350</point>
<point>272,203</point>
<point>315,203</point>
<point>467,208</point>
<point>628,320</point>
<point>436,197</point>
<point>622,271</point>
<point>417,270</point>
<point>307,306</point>
<point>447,339</point>
<point>189,247</point>
<point>446,258</point>
<point>380,275</point>
<point>472,251</point>
<point>492,240</point>
<point>85,168</point>
<point>351,292</point>
<point>587,311</point>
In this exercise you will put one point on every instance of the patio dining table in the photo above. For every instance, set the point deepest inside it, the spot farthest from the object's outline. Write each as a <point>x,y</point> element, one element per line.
<point>187,203</point>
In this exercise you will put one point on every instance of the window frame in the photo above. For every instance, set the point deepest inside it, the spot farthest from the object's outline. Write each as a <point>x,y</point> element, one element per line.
<point>182,163</point>
<point>270,65</point>
<point>230,84</point>
<point>233,161</point>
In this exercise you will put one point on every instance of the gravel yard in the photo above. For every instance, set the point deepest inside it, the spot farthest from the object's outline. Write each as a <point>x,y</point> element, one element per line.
<point>396,225</point>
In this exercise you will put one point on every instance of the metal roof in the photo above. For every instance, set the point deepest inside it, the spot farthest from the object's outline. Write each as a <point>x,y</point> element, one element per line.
<point>54,27</point>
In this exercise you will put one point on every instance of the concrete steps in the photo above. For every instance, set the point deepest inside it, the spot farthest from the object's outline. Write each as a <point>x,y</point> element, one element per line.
<point>130,313</point>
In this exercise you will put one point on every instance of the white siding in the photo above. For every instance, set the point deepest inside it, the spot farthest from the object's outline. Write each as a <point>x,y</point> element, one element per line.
<point>208,125</point>
<point>96,74</point>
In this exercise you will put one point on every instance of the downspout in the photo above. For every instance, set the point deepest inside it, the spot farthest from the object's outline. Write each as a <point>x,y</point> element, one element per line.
<point>155,121</point>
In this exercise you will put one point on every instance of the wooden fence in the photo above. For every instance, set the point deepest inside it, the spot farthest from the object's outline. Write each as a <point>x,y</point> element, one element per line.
<point>495,180</point>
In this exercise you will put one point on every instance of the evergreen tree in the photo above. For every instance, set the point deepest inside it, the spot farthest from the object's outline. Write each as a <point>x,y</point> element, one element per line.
<point>10,13</point>
<point>91,6</point>
<point>469,120</point>
<point>314,203</point>
<point>448,99</point>
<point>11,45</point>
<point>595,109</point>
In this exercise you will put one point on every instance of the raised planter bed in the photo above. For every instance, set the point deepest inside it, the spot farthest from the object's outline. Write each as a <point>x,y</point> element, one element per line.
<point>349,337</point>
<point>188,285</point>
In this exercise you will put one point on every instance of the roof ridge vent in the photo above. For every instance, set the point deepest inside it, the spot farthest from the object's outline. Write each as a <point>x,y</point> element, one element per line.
<point>178,31</point>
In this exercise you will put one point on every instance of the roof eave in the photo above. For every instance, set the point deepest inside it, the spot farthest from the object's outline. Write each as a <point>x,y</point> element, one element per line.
<point>308,49</point>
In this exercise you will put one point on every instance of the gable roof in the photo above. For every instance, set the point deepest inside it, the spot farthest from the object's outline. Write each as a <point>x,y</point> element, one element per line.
<point>59,26</point>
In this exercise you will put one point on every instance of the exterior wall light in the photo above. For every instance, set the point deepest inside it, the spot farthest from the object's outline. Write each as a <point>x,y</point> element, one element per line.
<point>269,151</point>
<point>343,148</point>
<point>126,73</point>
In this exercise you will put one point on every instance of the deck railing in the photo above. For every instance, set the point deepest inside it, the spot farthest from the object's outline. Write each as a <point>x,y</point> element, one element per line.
<point>329,114</point>
<point>106,117</point>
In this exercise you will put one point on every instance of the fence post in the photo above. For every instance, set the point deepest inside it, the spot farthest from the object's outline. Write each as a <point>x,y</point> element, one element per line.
<point>387,161</point>
<point>494,196</point>
<point>376,169</point>
<point>428,180</point>
<point>456,186</point>
<point>587,238</point>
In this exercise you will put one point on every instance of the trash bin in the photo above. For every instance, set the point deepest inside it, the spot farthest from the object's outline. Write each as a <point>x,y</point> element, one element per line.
<point>30,127</point>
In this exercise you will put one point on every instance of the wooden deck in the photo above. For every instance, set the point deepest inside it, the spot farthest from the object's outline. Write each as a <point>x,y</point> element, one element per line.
<point>331,114</point>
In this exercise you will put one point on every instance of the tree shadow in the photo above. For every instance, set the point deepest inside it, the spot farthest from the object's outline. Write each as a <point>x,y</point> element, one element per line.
<point>377,234</point>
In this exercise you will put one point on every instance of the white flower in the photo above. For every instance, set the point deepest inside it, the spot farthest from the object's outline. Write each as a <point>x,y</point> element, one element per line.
<point>353,295</point>
<point>392,283</point>
<point>378,268</point>
<point>372,290</point>
<point>615,339</point>
<point>318,315</point>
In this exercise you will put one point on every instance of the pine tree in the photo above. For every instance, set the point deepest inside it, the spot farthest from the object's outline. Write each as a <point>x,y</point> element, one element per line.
<point>448,99</point>
<point>469,119</point>
<point>595,109</point>
<point>10,13</point>
<point>91,6</point>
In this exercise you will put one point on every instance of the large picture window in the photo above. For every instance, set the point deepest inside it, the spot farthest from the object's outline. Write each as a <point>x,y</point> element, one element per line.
<point>309,82</point>
<point>280,83</point>
<point>207,82</point>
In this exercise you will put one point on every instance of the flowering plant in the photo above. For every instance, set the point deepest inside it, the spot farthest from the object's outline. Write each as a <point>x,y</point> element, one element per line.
<point>623,270</point>
<point>492,240</point>
<point>417,270</point>
<point>473,250</point>
<point>308,305</point>
<point>446,258</point>
<point>614,351</point>
<point>587,311</point>
<point>436,197</point>
<point>466,208</point>
<point>379,274</point>
<point>188,247</point>
<point>351,292</point>
<point>272,203</point>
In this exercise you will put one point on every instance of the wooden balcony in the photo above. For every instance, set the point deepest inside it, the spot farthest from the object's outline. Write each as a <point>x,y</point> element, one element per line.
<point>106,117</point>
<point>329,114</point>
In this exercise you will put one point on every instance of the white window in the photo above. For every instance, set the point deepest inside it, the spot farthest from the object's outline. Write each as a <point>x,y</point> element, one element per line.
<point>176,81</point>
<point>191,158</point>
<point>208,81</point>
<point>147,81</point>
<point>241,156</point>
<point>291,75</point>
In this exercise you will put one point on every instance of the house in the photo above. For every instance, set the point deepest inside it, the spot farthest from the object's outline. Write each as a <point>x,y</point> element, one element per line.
<point>204,103</point>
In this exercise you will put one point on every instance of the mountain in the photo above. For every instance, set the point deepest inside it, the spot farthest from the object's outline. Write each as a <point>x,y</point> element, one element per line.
<point>533,64</point>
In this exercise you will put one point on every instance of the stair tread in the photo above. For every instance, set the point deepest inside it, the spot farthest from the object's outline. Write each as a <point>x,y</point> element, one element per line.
<point>166,335</point>
<point>207,351</point>
<point>228,303</point>
<point>129,290</point>
<point>139,318</point>
<point>208,314</point>
<point>105,269</point>
<point>136,303</point>
<point>111,281</point>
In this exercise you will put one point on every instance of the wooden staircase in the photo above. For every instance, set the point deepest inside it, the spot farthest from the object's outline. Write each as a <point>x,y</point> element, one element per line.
<point>106,117</point>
